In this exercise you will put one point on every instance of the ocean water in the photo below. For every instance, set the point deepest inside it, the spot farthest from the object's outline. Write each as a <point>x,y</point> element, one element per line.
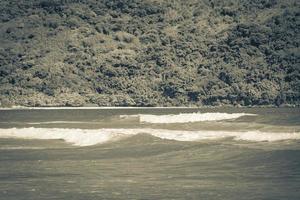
<point>150,153</point>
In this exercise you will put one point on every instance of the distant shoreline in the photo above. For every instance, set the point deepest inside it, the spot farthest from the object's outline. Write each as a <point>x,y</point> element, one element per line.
<point>87,108</point>
<point>132,107</point>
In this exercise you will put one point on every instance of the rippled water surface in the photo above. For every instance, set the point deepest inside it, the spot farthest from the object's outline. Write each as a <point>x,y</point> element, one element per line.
<point>229,153</point>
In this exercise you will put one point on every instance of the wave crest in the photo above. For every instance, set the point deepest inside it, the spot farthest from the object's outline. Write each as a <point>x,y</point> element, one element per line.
<point>185,117</point>
<point>83,137</point>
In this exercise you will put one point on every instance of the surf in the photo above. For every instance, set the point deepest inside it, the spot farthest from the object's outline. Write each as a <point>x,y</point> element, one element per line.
<point>88,137</point>
<point>185,117</point>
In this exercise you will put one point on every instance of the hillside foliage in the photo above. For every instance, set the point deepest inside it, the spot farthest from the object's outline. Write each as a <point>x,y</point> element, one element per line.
<point>149,52</point>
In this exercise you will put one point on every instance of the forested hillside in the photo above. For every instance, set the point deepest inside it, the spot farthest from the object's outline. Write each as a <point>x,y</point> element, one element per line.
<point>149,52</point>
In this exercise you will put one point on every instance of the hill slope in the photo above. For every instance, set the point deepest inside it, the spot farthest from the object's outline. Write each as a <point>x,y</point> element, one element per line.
<point>149,52</point>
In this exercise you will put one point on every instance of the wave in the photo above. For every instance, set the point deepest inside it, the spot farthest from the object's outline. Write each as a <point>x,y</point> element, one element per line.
<point>185,117</point>
<point>87,137</point>
<point>79,137</point>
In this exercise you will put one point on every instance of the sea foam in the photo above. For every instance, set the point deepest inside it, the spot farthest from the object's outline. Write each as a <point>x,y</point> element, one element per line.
<point>85,137</point>
<point>185,117</point>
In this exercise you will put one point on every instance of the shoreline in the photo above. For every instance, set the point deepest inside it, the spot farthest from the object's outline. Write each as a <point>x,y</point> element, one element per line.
<point>90,108</point>
<point>137,107</point>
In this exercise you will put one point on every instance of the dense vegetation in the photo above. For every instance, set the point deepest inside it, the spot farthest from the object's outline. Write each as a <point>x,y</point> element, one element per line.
<point>149,52</point>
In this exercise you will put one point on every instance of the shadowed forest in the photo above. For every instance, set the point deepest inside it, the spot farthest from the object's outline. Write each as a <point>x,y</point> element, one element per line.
<point>149,52</point>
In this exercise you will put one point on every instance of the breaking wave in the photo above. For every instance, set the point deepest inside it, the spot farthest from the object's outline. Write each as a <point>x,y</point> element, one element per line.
<point>85,137</point>
<point>185,117</point>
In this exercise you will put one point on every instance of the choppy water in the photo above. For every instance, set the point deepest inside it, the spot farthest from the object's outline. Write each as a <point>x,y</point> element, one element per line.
<point>229,153</point>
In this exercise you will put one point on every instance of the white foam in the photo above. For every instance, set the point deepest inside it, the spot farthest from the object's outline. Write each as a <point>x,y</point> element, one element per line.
<point>80,137</point>
<point>186,117</point>
<point>83,137</point>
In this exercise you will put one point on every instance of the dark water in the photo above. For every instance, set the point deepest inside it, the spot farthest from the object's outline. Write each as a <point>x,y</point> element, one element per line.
<point>142,165</point>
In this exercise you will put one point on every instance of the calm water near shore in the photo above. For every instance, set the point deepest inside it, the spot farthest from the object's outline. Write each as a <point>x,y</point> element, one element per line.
<point>178,153</point>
